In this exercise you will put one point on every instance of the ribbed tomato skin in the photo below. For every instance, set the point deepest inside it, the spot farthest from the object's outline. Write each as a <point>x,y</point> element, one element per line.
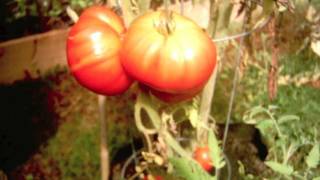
<point>178,62</point>
<point>173,98</point>
<point>93,56</point>
<point>168,97</point>
<point>106,15</point>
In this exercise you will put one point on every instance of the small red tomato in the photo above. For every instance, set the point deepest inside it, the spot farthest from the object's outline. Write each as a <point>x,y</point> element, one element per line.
<point>173,56</point>
<point>93,56</point>
<point>201,155</point>
<point>146,177</point>
<point>106,15</point>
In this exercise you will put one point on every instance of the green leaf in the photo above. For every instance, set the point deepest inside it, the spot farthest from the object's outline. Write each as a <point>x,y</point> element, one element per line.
<point>241,169</point>
<point>175,145</point>
<point>315,46</point>
<point>145,103</point>
<point>242,172</point>
<point>287,118</point>
<point>183,169</point>
<point>268,6</point>
<point>250,119</point>
<point>215,151</point>
<point>316,178</point>
<point>313,157</point>
<point>189,169</point>
<point>225,10</point>
<point>280,168</point>
<point>264,126</point>
<point>257,110</point>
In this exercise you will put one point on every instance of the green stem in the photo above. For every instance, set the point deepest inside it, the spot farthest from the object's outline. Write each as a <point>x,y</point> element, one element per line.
<point>213,17</point>
<point>138,120</point>
<point>275,123</point>
<point>289,153</point>
<point>298,176</point>
<point>175,145</point>
<point>305,175</point>
<point>144,102</point>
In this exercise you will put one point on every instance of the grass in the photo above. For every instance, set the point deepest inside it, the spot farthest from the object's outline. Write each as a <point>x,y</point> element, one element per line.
<point>76,150</point>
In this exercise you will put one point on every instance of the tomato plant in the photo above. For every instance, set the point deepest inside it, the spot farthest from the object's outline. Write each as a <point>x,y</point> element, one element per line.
<point>93,52</point>
<point>170,54</point>
<point>201,155</point>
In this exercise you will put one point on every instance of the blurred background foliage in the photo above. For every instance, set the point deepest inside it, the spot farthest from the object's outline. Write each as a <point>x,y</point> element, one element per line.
<point>24,17</point>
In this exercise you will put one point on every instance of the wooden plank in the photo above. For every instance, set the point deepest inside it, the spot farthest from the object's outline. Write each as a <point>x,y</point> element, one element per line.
<point>34,54</point>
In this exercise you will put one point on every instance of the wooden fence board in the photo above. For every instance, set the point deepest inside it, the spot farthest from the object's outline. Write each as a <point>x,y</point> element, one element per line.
<point>35,54</point>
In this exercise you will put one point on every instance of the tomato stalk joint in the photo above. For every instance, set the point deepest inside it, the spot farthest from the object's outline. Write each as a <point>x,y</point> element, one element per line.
<point>166,24</point>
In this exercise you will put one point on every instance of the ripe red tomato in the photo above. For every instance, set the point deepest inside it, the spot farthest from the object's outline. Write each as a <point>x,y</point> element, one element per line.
<point>202,156</point>
<point>93,56</point>
<point>146,177</point>
<point>173,98</point>
<point>175,60</point>
<point>106,15</point>
<point>168,97</point>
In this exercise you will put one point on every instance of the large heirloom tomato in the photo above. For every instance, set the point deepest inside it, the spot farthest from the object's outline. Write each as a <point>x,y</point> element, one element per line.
<point>170,54</point>
<point>93,52</point>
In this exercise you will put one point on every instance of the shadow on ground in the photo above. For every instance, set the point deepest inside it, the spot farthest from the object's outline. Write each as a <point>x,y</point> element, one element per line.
<point>27,118</point>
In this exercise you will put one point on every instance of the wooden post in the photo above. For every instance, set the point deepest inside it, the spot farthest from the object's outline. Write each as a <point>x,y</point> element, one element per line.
<point>104,153</point>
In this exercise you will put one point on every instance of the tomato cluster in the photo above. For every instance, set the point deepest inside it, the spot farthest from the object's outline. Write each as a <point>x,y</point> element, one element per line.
<point>168,53</point>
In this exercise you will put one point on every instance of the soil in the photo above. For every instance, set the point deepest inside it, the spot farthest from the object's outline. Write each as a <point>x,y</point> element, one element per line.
<point>244,144</point>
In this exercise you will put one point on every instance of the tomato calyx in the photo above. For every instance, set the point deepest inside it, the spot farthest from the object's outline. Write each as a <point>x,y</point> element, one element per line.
<point>165,25</point>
